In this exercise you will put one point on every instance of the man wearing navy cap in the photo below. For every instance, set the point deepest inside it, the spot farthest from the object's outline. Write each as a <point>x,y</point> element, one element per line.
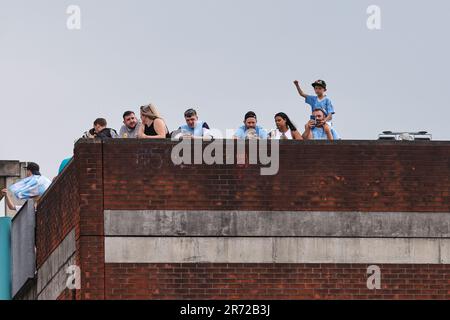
<point>250,129</point>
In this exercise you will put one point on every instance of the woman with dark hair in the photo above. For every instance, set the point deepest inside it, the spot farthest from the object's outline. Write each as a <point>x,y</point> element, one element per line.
<point>285,128</point>
<point>153,126</point>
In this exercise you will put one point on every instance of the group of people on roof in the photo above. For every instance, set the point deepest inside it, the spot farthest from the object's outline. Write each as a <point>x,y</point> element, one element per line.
<point>151,124</point>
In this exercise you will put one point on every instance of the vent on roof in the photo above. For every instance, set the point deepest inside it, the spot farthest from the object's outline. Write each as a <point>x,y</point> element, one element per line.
<point>405,136</point>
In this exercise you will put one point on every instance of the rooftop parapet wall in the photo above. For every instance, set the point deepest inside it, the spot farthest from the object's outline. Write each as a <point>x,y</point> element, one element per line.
<point>313,176</point>
<point>57,213</point>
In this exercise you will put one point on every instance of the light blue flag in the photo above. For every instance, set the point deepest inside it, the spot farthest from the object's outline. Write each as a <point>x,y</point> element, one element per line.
<point>30,187</point>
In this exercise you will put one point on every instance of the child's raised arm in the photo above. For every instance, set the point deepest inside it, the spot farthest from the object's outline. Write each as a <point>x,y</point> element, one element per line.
<point>300,91</point>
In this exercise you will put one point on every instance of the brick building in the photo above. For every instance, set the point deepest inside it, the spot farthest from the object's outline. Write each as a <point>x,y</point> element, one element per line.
<point>140,227</point>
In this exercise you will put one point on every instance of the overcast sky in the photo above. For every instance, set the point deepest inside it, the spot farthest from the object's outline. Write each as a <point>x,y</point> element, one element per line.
<point>223,57</point>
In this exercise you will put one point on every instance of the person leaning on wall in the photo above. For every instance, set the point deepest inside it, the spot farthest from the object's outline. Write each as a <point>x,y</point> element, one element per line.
<point>130,127</point>
<point>250,129</point>
<point>286,130</point>
<point>153,126</point>
<point>100,130</point>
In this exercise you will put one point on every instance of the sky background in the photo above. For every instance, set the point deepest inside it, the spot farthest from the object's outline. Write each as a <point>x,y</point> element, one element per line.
<point>222,57</point>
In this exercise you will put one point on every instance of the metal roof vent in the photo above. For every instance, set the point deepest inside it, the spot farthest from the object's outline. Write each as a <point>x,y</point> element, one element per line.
<point>405,136</point>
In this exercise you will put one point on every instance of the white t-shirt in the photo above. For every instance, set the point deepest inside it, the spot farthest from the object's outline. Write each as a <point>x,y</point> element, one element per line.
<point>277,134</point>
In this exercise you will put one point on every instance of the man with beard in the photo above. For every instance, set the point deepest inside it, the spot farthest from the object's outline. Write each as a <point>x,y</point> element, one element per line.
<point>250,129</point>
<point>318,129</point>
<point>130,126</point>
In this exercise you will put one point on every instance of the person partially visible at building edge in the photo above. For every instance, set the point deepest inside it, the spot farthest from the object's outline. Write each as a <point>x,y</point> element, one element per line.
<point>153,126</point>
<point>100,130</point>
<point>33,186</point>
<point>285,130</point>
<point>318,129</point>
<point>64,164</point>
<point>250,129</point>
<point>130,127</point>
<point>193,127</point>
<point>320,100</point>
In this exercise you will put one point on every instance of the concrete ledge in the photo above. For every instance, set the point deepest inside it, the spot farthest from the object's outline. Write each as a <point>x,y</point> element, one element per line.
<point>10,168</point>
<point>286,142</point>
<point>276,250</point>
<point>51,276</point>
<point>277,224</point>
<point>23,253</point>
<point>57,284</point>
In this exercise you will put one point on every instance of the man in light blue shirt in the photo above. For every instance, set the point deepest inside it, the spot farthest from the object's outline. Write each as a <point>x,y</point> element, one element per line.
<point>318,129</point>
<point>250,129</point>
<point>193,127</point>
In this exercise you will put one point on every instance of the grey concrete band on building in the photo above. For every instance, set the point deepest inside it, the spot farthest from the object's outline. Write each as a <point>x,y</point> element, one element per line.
<point>276,237</point>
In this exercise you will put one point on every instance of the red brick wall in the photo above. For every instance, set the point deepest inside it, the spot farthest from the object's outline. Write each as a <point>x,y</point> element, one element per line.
<point>90,244</point>
<point>75,200</point>
<point>274,281</point>
<point>361,176</point>
<point>67,295</point>
<point>57,213</point>
<point>322,176</point>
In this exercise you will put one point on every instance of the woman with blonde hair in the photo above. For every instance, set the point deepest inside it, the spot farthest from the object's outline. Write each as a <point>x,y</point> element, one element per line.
<point>153,126</point>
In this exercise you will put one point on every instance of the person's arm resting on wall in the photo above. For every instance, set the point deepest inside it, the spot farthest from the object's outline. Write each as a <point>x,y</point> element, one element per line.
<point>328,132</point>
<point>239,134</point>
<point>296,135</point>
